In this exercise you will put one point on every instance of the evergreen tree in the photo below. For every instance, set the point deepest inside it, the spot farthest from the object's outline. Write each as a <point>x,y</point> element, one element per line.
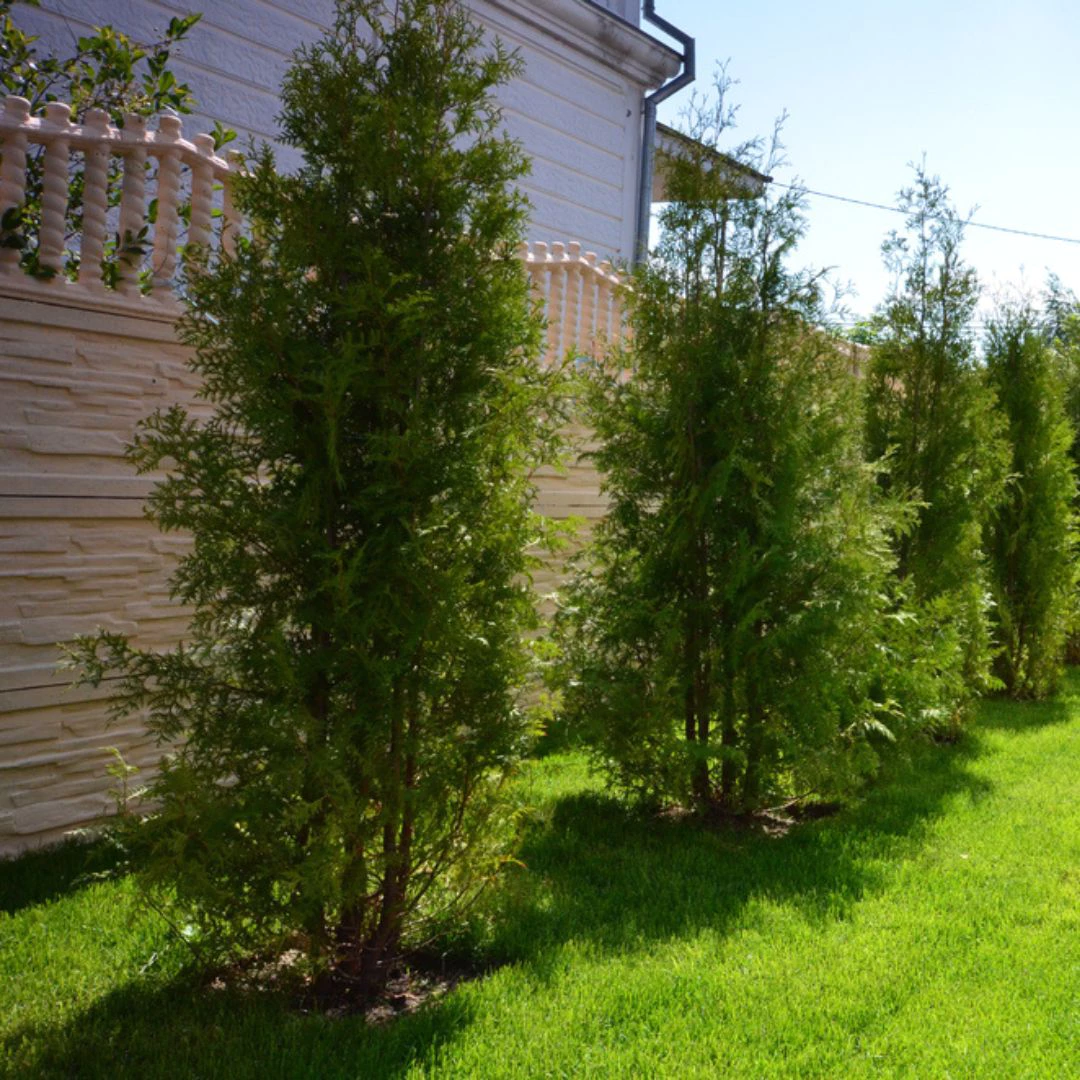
<point>1030,538</point>
<point>1060,326</point>
<point>346,707</point>
<point>721,643</point>
<point>931,413</point>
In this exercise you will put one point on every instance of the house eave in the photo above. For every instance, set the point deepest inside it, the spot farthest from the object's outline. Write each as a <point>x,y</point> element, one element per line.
<point>600,35</point>
<point>746,182</point>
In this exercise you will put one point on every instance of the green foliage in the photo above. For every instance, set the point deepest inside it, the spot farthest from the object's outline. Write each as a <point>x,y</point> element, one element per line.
<point>1060,325</point>
<point>931,413</point>
<point>1030,539</point>
<point>108,70</point>
<point>724,644</point>
<point>347,706</point>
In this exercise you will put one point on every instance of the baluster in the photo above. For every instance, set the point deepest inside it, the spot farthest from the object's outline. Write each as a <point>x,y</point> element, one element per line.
<point>622,324</point>
<point>54,187</point>
<point>95,198</point>
<point>13,169</point>
<point>541,283</point>
<point>163,260</point>
<point>571,338</point>
<point>555,310</point>
<point>202,199</point>
<point>605,319</point>
<point>230,227</point>
<point>528,260</point>
<point>132,202</point>
<point>524,253</point>
<point>588,303</point>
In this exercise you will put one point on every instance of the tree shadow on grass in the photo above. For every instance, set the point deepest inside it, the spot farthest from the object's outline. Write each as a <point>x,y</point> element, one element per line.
<point>1003,714</point>
<point>601,873</point>
<point>596,872</point>
<point>181,1027</point>
<point>40,876</point>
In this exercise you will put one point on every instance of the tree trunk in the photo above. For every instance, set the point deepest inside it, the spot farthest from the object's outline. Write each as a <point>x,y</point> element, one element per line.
<point>729,768</point>
<point>755,740</point>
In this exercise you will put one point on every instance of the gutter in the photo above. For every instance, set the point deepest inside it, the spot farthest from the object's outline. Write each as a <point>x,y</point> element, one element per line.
<point>648,134</point>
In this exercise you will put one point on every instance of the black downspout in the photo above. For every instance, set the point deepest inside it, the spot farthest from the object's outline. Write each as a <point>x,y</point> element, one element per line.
<point>648,135</point>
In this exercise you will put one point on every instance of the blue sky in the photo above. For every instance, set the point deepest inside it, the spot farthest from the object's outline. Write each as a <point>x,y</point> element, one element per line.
<point>989,92</point>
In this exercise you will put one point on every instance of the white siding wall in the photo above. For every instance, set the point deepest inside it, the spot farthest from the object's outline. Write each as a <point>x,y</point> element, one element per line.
<point>578,113</point>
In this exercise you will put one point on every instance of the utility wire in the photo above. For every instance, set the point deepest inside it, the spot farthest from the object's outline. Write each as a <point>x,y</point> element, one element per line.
<point>897,210</point>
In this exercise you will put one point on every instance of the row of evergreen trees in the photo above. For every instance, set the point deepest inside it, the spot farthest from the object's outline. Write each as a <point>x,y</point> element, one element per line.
<point>803,565</point>
<point>791,577</point>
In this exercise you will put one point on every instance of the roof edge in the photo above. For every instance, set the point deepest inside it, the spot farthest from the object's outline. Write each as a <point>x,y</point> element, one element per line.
<point>601,34</point>
<point>671,141</point>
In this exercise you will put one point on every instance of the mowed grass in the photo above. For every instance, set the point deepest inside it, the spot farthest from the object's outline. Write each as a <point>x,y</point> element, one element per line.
<point>932,929</point>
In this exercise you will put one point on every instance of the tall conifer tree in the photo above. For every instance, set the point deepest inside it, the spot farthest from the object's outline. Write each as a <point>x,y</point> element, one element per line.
<point>930,410</point>
<point>1030,538</point>
<point>346,705</point>
<point>720,644</point>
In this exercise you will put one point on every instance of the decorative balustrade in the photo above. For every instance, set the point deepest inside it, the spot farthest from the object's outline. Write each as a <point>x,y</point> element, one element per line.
<point>150,195</point>
<point>146,196</point>
<point>581,298</point>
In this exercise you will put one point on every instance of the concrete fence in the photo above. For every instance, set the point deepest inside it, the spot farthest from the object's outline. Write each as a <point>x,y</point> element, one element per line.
<point>84,355</point>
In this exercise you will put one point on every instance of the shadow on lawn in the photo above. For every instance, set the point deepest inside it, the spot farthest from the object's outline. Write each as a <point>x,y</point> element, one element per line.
<point>40,876</point>
<point>181,1028</point>
<point>1002,714</point>
<point>596,872</point>
<point>617,879</point>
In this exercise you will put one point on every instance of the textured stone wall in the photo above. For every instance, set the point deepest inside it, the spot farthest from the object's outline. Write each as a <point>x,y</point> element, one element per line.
<point>75,550</point>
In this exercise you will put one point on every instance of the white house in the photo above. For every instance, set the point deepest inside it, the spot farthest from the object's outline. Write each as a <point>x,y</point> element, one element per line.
<point>578,109</point>
<point>79,366</point>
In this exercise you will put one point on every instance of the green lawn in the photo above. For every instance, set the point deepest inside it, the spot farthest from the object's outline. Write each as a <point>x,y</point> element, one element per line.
<point>932,930</point>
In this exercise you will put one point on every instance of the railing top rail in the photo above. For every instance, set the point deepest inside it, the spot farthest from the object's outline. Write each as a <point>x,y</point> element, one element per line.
<point>97,130</point>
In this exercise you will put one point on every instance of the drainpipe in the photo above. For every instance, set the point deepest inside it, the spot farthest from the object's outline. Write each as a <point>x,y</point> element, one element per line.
<point>648,135</point>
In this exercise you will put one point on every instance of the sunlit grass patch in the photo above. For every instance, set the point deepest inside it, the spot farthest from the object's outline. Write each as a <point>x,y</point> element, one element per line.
<point>932,928</point>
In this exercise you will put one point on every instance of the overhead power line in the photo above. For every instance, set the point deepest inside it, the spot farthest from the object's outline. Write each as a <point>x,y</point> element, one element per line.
<point>898,210</point>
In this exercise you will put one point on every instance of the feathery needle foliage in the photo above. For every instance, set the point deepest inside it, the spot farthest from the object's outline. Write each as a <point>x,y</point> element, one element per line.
<point>722,647</point>
<point>1030,539</point>
<point>346,706</point>
<point>929,409</point>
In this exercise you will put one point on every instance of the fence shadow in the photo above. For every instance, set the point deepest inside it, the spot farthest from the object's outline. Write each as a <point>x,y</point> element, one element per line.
<point>40,876</point>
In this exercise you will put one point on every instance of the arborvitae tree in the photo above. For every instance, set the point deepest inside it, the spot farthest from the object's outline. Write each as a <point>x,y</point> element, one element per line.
<point>1030,538</point>
<point>346,706</point>
<point>1060,326</point>
<point>931,411</point>
<point>720,643</point>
